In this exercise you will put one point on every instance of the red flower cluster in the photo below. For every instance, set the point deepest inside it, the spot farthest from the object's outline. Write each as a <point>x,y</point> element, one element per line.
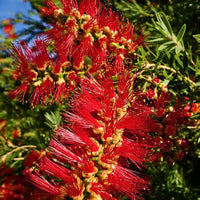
<point>8,29</point>
<point>107,135</point>
<point>195,108</point>
<point>84,37</point>
<point>13,187</point>
<point>112,125</point>
<point>172,117</point>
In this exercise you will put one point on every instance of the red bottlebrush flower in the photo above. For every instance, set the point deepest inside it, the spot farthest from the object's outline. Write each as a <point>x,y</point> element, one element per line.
<point>60,91</point>
<point>125,181</point>
<point>16,133</point>
<point>85,37</point>
<point>12,36</point>
<point>89,6</point>
<point>167,145</point>
<point>39,55</point>
<point>14,187</point>
<point>158,142</point>
<point>42,183</point>
<point>179,154</point>
<point>49,10</point>
<point>62,152</point>
<point>157,156</point>
<point>47,87</point>
<point>32,157</point>
<point>68,5</point>
<point>63,43</point>
<point>90,103</point>
<point>8,29</point>
<point>86,46</point>
<point>195,108</point>
<point>79,131</point>
<point>98,191</point>
<point>184,143</point>
<point>132,150</point>
<point>41,92</point>
<point>54,169</point>
<point>37,96</point>
<point>84,116</point>
<point>170,129</point>
<point>118,62</point>
<point>20,91</point>
<point>172,119</point>
<point>108,20</point>
<point>156,80</point>
<point>78,26</point>
<point>40,74</point>
<point>67,137</point>
<point>78,61</point>
<point>104,138</point>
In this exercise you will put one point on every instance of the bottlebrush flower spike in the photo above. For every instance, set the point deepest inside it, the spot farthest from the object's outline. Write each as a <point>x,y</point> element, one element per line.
<point>84,29</point>
<point>85,37</point>
<point>41,75</point>
<point>91,156</point>
<point>173,117</point>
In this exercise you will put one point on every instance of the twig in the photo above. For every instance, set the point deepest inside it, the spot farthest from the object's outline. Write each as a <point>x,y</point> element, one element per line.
<point>151,65</point>
<point>3,158</point>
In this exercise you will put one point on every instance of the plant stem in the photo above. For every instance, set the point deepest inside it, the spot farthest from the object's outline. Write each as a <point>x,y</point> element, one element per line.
<point>152,65</point>
<point>3,158</point>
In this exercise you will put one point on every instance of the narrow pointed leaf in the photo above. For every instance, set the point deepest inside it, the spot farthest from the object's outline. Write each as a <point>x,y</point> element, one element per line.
<point>162,24</point>
<point>178,50</point>
<point>167,24</point>
<point>165,73</point>
<point>171,49</point>
<point>181,33</point>
<point>197,37</point>
<point>166,45</point>
<point>158,40</point>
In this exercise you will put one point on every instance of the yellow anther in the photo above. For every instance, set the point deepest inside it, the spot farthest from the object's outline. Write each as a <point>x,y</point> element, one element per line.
<point>98,130</point>
<point>58,13</point>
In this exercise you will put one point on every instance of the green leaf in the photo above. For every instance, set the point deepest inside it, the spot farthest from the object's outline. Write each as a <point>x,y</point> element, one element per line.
<point>53,120</point>
<point>166,82</point>
<point>157,40</point>
<point>178,49</point>
<point>177,58</point>
<point>161,23</point>
<point>172,48</point>
<point>167,24</point>
<point>197,116</point>
<point>180,77</point>
<point>165,45</point>
<point>197,37</point>
<point>165,73</point>
<point>197,84</point>
<point>29,135</point>
<point>6,60</point>
<point>181,33</point>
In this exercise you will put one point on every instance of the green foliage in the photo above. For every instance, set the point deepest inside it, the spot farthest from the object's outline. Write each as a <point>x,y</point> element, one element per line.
<point>172,54</point>
<point>137,13</point>
<point>176,182</point>
<point>197,37</point>
<point>53,120</point>
<point>167,40</point>
<point>36,4</point>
